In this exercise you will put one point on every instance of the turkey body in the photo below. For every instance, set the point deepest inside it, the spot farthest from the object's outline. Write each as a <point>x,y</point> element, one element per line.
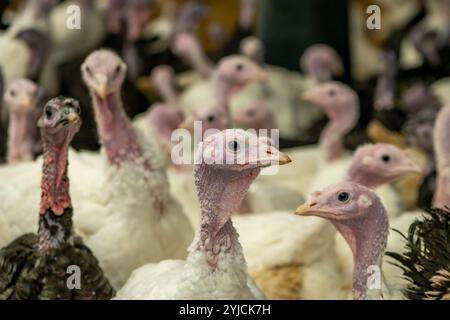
<point>192,279</point>
<point>25,273</point>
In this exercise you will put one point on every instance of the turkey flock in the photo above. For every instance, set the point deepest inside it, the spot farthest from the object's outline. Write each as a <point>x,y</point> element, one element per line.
<point>300,185</point>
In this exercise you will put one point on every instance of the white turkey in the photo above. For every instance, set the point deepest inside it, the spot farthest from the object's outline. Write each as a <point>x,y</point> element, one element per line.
<point>227,163</point>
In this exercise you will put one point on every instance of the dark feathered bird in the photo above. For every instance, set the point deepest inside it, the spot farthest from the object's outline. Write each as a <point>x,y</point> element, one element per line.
<point>426,260</point>
<point>47,265</point>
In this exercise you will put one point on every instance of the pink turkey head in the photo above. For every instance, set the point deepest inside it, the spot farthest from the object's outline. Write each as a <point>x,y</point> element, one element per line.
<point>322,62</point>
<point>337,99</point>
<point>103,72</point>
<point>253,48</point>
<point>210,117</point>
<point>254,116</point>
<point>374,165</point>
<point>237,150</point>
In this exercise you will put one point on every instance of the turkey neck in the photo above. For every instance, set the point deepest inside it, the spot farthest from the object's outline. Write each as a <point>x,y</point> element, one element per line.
<point>167,91</point>
<point>116,133</point>
<point>366,179</point>
<point>55,219</point>
<point>331,138</point>
<point>225,89</point>
<point>220,193</point>
<point>19,143</point>
<point>200,62</point>
<point>367,238</point>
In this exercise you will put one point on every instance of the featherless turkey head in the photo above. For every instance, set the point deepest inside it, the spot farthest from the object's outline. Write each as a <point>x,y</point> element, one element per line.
<point>253,48</point>
<point>239,71</point>
<point>377,164</point>
<point>22,96</point>
<point>239,150</point>
<point>161,75</point>
<point>358,214</point>
<point>225,166</point>
<point>417,98</point>
<point>321,62</point>
<point>341,202</point>
<point>334,97</point>
<point>24,101</point>
<point>187,46</point>
<point>254,116</point>
<point>60,121</point>
<point>210,117</point>
<point>103,72</point>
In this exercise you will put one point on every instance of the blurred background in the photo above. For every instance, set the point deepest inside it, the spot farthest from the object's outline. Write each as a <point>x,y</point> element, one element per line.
<point>142,32</point>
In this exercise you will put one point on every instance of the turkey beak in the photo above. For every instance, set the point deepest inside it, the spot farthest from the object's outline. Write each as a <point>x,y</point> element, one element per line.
<point>413,168</point>
<point>73,117</point>
<point>273,156</point>
<point>283,158</point>
<point>27,103</point>
<point>101,87</point>
<point>302,210</point>
<point>311,95</point>
<point>261,75</point>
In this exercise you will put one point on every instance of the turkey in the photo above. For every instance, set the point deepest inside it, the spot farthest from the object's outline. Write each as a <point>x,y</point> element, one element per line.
<point>282,93</point>
<point>23,99</point>
<point>424,258</point>
<point>311,261</point>
<point>322,62</point>
<point>215,256</point>
<point>34,266</point>
<point>164,118</point>
<point>135,207</point>
<point>126,185</point>
<point>359,215</point>
<point>26,46</point>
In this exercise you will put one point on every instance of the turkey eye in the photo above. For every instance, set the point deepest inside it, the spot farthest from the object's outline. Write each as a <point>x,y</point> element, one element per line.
<point>385,158</point>
<point>12,93</point>
<point>210,118</point>
<point>234,146</point>
<point>117,70</point>
<point>89,71</point>
<point>332,92</point>
<point>250,113</point>
<point>343,196</point>
<point>48,113</point>
<point>239,67</point>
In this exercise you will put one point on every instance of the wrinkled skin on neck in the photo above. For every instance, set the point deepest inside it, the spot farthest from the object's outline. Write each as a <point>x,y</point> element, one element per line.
<point>55,182</point>
<point>367,238</point>
<point>220,194</point>
<point>115,130</point>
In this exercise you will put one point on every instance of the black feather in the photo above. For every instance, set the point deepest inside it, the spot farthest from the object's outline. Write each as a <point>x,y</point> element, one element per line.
<point>426,260</point>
